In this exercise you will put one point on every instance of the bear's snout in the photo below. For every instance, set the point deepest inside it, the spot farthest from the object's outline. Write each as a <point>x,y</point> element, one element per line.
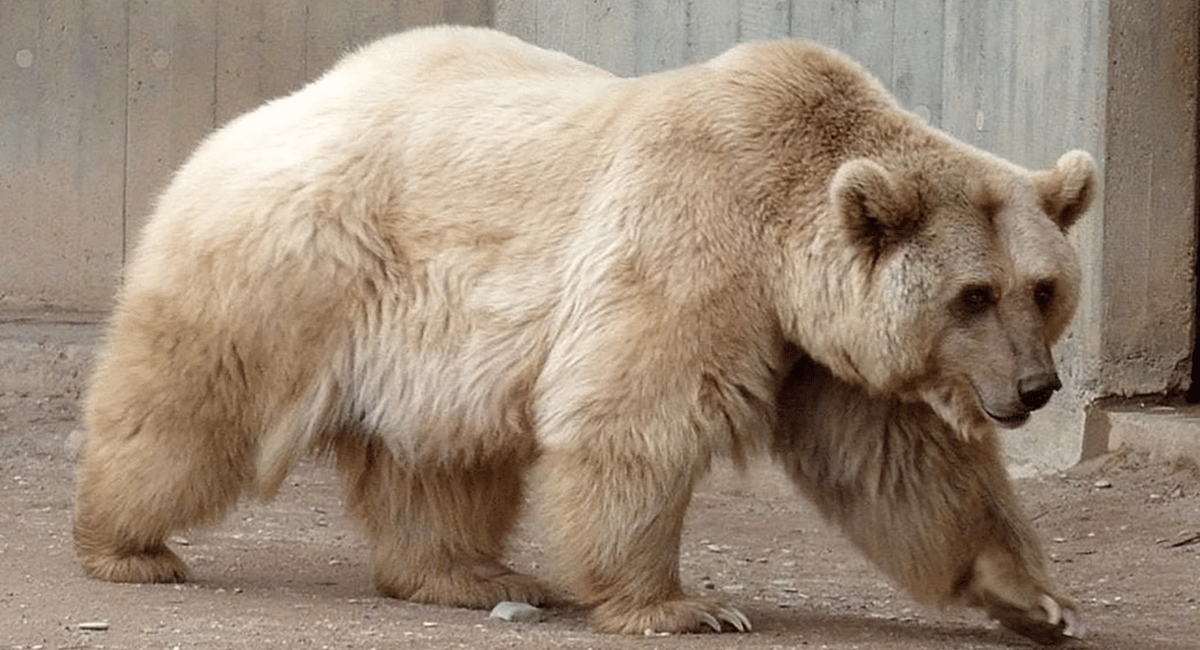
<point>1035,390</point>
<point>1010,406</point>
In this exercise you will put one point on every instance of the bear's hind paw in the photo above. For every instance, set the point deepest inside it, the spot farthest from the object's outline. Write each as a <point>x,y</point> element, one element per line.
<point>473,586</point>
<point>675,617</point>
<point>156,564</point>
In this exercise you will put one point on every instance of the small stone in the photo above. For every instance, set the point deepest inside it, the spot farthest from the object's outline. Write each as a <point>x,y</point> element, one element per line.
<point>1103,483</point>
<point>74,444</point>
<point>93,626</point>
<point>515,612</point>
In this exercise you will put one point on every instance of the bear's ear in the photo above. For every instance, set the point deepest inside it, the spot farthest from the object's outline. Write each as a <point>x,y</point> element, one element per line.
<point>1067,190</point>
<point>877,208</point>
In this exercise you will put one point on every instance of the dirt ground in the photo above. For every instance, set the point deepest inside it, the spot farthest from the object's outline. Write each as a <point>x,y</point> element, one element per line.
<point>1122,534</point>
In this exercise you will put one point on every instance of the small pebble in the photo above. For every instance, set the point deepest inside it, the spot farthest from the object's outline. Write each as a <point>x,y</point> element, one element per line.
<point>74,444</point>
<point>93,626</point>
<point>1103,483</point>
<point>517,612</point>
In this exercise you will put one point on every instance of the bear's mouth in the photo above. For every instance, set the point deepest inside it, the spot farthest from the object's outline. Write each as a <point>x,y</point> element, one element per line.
<point>1014,416</point>
<point>1008,421</point>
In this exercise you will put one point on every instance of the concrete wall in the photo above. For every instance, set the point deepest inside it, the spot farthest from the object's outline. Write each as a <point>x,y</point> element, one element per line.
<point>1145,317</point>
<point>99,100</point>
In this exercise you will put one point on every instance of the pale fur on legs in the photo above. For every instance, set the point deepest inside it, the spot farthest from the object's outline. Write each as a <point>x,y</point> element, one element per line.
<point>439,532</point>
<point>932,509</point>
<point>175,423</point>
<point>614,521</point>
<point>131,496</point>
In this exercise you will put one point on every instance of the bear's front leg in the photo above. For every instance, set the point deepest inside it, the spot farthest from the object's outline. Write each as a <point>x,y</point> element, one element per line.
<point>935,511</point>
<point>615,516</point>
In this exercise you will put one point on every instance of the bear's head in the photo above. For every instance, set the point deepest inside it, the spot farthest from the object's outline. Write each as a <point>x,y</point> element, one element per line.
<point>956,279</point>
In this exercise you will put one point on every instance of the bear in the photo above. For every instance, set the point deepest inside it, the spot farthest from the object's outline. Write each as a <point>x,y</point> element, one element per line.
<point>472,272</point>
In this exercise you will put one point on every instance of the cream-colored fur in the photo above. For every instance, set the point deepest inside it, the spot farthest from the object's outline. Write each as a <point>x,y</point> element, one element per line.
<point>457,261</point>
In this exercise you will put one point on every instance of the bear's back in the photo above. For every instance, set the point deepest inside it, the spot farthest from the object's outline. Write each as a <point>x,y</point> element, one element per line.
<point>439,55</point>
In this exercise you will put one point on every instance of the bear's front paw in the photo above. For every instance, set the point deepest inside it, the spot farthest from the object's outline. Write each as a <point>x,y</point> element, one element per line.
<point>1050,622</point>
<point>673,616</point>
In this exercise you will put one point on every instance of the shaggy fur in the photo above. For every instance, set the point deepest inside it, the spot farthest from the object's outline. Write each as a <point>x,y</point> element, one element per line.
<point>457,263</point>
<point>933,510</point>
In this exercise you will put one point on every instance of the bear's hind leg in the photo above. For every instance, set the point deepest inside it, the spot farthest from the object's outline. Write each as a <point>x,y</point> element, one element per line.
<point>439,533</point>
<point>935,511</point>
<point>152,465</point>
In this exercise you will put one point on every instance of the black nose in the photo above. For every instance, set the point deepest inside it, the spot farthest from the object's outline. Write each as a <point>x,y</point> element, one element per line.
<point>1035,390</point>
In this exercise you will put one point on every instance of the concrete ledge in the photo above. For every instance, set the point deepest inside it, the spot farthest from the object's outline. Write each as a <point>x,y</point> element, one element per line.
<point>1167,432</point>
<point>50,353</point>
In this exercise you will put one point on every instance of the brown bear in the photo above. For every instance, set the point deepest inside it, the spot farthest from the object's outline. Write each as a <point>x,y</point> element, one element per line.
<point>458,264</point>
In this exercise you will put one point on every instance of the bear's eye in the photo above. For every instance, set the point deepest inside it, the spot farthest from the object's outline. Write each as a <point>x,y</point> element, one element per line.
<point>975,300</point>
<point>1043,294</point>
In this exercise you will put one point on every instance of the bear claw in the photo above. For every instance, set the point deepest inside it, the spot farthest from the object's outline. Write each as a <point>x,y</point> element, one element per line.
<point>671,617</point>
<point>1072,625</point>
<point>1048,623</point>
<point>733,617</point>
<point>1054,612</point>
